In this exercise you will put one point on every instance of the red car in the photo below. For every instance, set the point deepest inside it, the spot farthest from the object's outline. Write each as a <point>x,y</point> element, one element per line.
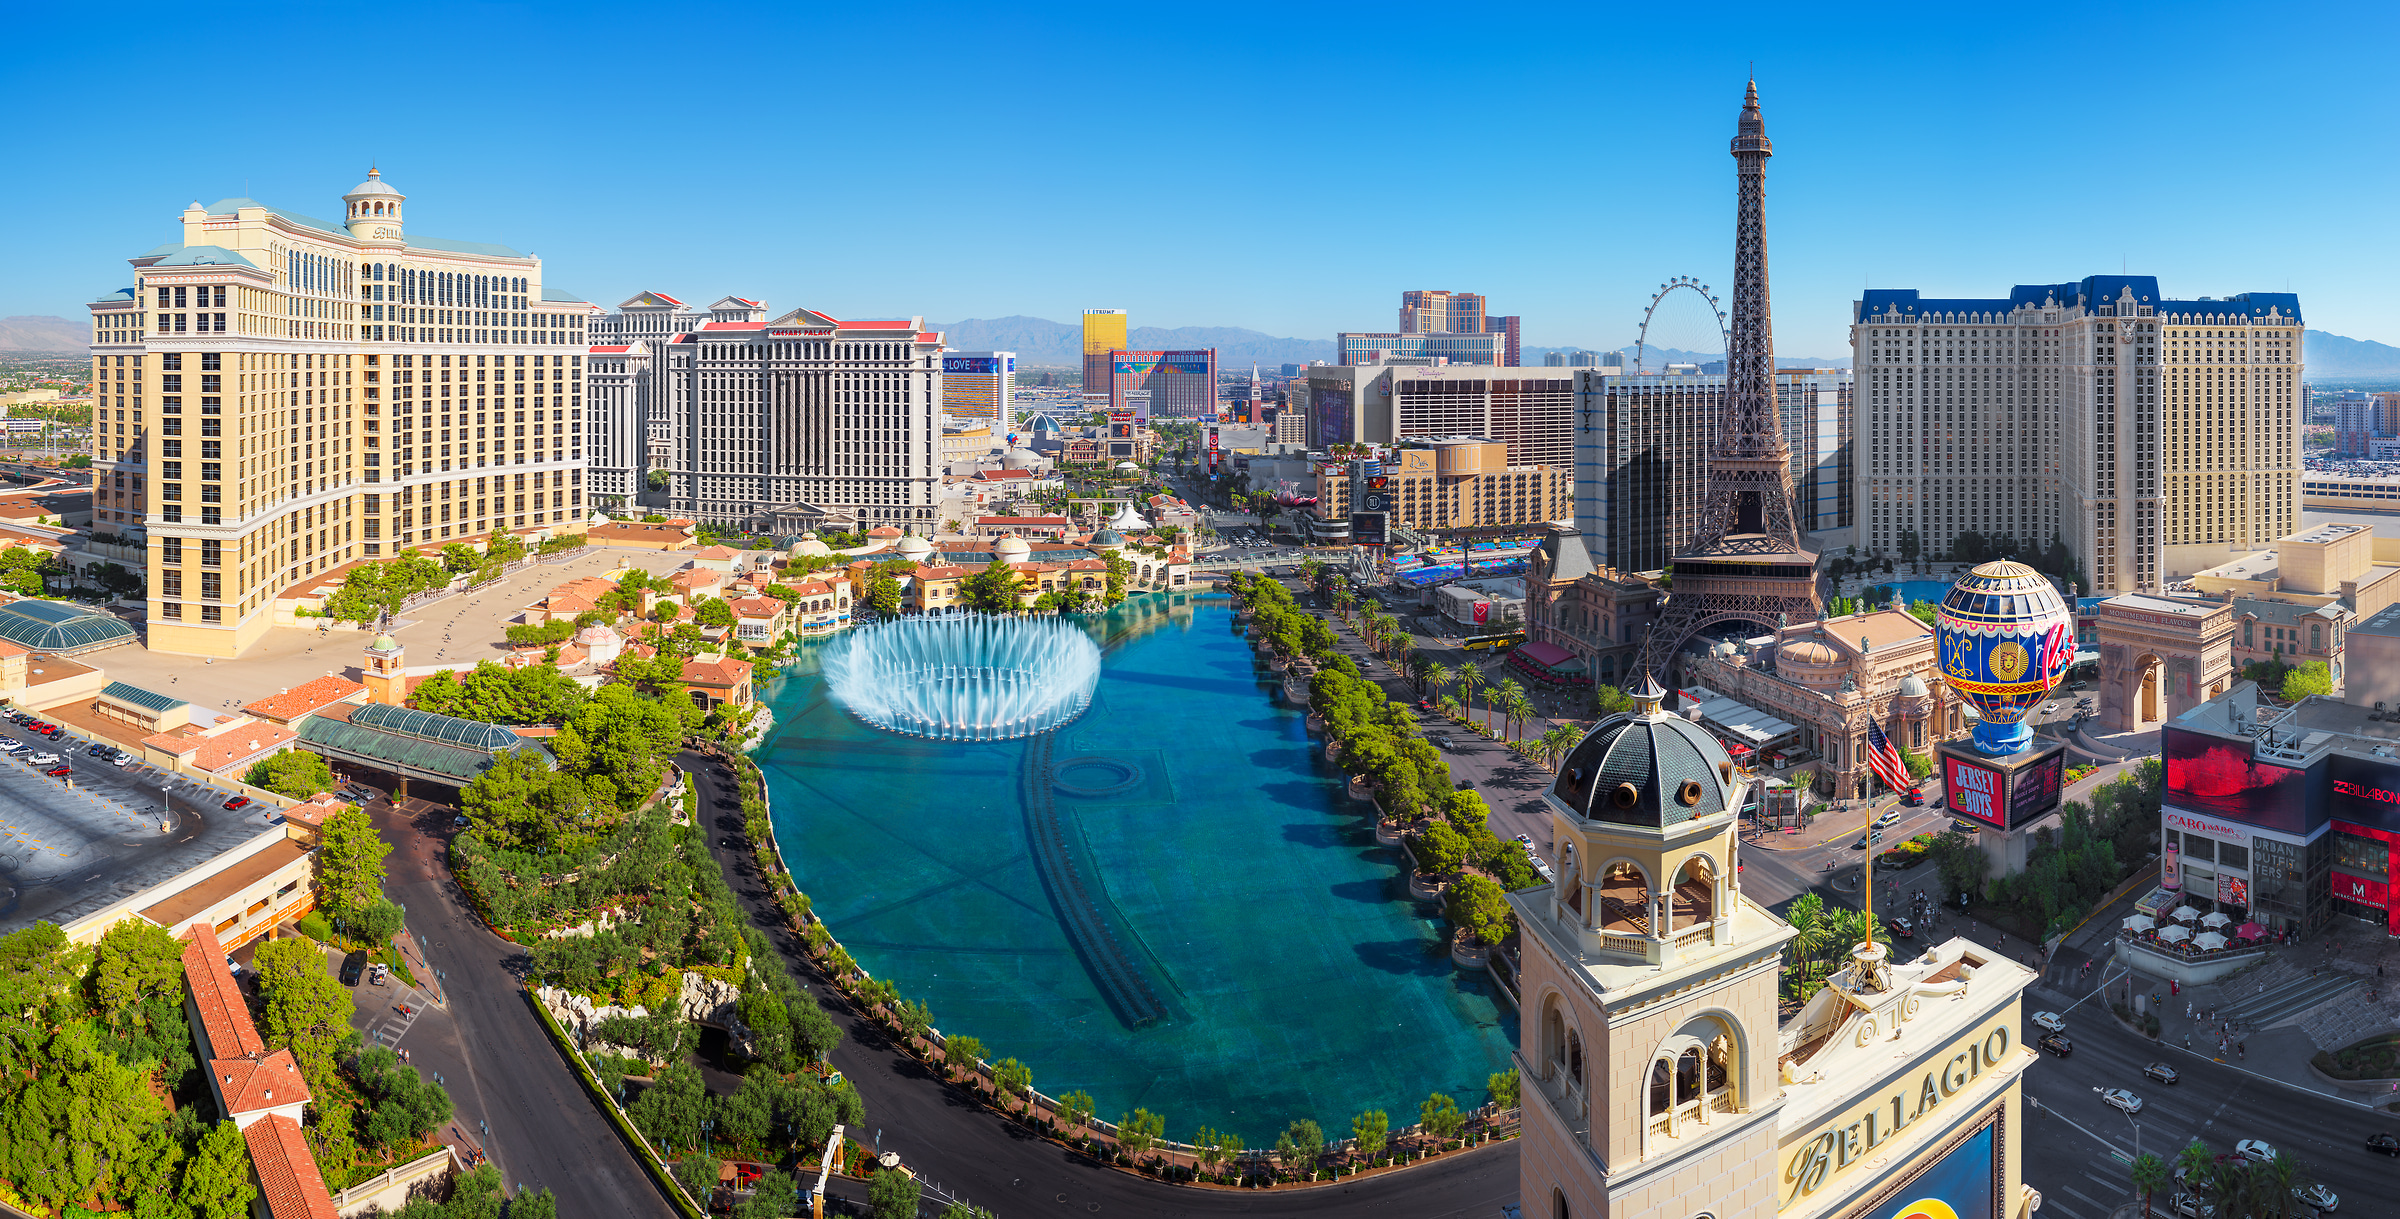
<point>236,802</point>
<point>59,772</point>
<point>1901,928</point>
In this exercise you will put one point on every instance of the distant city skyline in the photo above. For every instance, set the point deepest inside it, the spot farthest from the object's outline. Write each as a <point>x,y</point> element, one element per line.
<point>1888,172</point>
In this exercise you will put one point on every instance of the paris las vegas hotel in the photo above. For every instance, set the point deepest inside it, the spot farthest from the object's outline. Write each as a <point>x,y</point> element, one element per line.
<point>278,395</point>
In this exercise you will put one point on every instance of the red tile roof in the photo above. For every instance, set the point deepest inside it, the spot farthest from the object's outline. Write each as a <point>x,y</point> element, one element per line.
<point>292,1187</point>
<point>756,607</point>
<point>224,1015</point>
<point>664,297</point>
<point>716,552</point>
<point>304,698</point>
<point>716,672</point>
<point>251,1084</point>
<point>733,326</point>
<point>237,745</point>
<point>614,347</point>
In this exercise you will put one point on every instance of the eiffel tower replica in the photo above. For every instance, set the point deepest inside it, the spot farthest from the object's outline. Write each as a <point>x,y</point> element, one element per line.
<point>1745,560</point>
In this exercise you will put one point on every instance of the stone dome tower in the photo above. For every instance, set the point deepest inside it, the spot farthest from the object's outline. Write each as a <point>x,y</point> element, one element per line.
<point>386,672</point>
<point>372,208</point>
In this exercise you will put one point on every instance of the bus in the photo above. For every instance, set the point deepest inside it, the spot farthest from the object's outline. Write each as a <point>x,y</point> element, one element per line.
<point>1503,639</point>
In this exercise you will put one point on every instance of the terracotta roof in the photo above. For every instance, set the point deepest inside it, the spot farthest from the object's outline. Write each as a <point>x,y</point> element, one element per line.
<point>884,531</point>
<point>304,698</point>
<point>944,573</point>
<point>613,348</point>
<point>716,672</point>
<point>1021,520</point>
<point>696,577</point>
<point>224,1015</point>
<point>716,552</point>
<point>290,1184</point>
<point>313,811</point>
<point>811,588</point>
<point>756,607</point>
<point>251,1084</point>
<point>240,744</point>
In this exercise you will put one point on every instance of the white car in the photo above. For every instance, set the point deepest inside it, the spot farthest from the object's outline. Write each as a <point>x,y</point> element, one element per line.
<point>2254,1151</point>
<point>2119,1098</point>
<point>2325,1200</point>
<point>44,759</point>
<point>2049,1021</point>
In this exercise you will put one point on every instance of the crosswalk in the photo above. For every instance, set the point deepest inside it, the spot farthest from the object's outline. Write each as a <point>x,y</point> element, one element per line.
<point>400,1016</point>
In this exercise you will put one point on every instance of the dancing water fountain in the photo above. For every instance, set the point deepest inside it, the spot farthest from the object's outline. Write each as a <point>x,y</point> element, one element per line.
<point>967,678</point>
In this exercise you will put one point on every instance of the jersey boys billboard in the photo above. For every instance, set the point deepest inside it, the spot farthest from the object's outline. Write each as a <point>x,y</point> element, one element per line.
<point>1973,791</point>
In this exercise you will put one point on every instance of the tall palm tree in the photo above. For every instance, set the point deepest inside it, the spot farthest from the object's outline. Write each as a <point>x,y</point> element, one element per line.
<point>1506,694</point>
<point>1417,663</point>
<point>2198,1164</point>
<point>1437,680</point>
<point>1520,709</point>
<point>1556,743</point>
<point>1469,678</point>
<point>1810,930</point>
<point>2149,1176</point>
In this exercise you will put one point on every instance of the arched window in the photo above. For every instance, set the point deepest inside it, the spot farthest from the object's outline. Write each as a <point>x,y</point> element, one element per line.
<point>1694,1074</point>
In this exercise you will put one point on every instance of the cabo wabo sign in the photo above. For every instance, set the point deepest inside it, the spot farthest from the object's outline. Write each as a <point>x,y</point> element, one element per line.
<point>1849,1139</point>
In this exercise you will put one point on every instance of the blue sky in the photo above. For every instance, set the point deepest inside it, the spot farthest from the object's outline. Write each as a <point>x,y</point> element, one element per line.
<point>1289,168</point>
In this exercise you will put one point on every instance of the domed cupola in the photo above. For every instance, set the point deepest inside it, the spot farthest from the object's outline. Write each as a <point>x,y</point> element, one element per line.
<point>1647,768</point>
<point>373,208</point>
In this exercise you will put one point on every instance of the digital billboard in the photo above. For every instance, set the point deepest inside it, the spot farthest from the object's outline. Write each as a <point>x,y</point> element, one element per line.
<point>2363,791</point>
<point>1332,407</point>
<point>1139,367</point>
<point>2213,775</point>
<point>1963,1184</point>
<point>981,366</point>
<point>1973,791</point>
<point>2036,790</point>
<point>1367,529</point>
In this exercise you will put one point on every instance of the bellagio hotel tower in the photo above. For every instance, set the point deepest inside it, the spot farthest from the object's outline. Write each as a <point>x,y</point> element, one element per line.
<point>279,396</point>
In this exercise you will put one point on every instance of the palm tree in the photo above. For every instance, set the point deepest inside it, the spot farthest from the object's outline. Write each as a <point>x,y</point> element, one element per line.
<point>1469,678</point>
<point>1558,742</point>
<point>2198,1164</point>
<point>1505,697</point>
<point>1437,680</point>
<point>1521,709</point>
<point>2149,1177</point>
<point>1810,930</point>
<point>1342,602</point>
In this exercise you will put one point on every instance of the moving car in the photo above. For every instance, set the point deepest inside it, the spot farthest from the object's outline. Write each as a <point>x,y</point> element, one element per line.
<point>1914,797</point>
<point>2058,1044</point>
<point>2166,1075</point>
<point>2120,1099</point>
<point>1859,845</point>
<point>2387,1144</point>
<point>2254,1150</point>
<point>1887,819</point>
<point>2325,1200</point>
<point>353,966</point>
<point>236,802</point>
<point>2050,1021</point>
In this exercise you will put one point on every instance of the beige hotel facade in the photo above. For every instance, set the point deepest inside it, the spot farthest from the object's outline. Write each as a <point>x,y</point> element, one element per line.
<point>276,396</point>
<point>1657,1079</point>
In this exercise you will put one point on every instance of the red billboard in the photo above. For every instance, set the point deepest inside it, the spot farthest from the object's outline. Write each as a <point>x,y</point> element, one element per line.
<point>1973,791</point>
<point>2209,774</point>
<point>2361,890</point>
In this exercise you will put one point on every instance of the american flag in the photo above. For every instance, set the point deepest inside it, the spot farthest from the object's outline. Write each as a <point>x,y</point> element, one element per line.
<point>1885,760</point>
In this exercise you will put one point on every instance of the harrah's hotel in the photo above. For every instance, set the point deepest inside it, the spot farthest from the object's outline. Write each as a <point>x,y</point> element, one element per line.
<point>2290,815</point>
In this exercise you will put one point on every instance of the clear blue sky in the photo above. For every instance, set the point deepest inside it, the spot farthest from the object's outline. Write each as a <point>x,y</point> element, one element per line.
<point>1289,168</point>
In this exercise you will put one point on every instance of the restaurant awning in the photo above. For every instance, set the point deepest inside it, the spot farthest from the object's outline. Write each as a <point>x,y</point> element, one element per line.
<point>1745,723</point>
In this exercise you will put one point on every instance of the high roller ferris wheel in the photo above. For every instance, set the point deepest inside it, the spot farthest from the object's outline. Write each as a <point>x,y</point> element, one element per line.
<point>1677,321</point>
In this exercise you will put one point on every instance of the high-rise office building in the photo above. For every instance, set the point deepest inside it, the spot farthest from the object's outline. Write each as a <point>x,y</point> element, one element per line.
<point>2357,419</point>
<point>1511,330</point>
<point>787,425</point>
<point>1815,406</point>
<point>1104,331</point>
<point>2153,437</point>
<point>1181,384</point>
<point>1441,312</point>
<point>319,392</point>
<point>977,384</point>
<point>1641,463</point>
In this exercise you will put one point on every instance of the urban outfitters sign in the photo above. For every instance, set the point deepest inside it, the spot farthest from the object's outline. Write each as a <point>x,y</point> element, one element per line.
<point>1849,1139</point>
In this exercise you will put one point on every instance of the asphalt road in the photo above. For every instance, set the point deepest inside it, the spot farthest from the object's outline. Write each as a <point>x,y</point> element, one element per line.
<point>965,1152</point>
<point>2078,1148</point>
<point>494,1056</point>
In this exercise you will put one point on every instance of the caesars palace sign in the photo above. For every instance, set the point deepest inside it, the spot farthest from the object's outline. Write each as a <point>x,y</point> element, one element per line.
<point>1845,1141</point>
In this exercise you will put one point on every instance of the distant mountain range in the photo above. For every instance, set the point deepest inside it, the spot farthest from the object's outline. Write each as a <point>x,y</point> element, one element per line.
<point>1658,357</point>
<point>27,332</point>
<point>1041,341</point>
<point>2331,355</point>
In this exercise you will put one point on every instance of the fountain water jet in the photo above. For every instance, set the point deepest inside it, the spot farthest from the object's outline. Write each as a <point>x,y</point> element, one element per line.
<point>968,678</point>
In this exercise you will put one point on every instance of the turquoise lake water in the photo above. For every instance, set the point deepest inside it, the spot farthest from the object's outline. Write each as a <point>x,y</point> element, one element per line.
<point>1191,918</point>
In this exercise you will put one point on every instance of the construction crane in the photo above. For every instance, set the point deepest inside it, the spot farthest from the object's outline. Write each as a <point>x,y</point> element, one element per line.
<point>832,1156</point>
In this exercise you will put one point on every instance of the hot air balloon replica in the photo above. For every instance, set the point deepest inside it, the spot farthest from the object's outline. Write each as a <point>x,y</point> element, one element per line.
<point>2005,636</point>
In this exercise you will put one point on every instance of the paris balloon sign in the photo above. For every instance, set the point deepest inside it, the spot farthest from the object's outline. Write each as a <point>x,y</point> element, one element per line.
<point>2005,635</point>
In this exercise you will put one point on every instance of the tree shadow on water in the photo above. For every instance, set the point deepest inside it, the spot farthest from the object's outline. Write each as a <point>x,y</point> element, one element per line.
<point>1372,892</point>
<point>1307,835</point>
<point>1409,958</point>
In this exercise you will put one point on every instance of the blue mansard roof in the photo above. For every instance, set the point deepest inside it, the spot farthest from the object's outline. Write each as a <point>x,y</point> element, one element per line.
<point>2090,292</point>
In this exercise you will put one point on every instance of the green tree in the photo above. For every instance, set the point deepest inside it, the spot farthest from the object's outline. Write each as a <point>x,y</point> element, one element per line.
<point>1478,907</point>
<point>1924,611</point>
<point>776,1196</point>
<point>1440,849</point>
<point>993,590</point>
<point>1910,546</point>
<point>307,1008</point>
<point>1013,1079</point>
<point>349,862</point>
<point>534,635</point>
<point>460,558</point>
<point>712,612</point>
<point>83,1111</point>
<point>216,1182</point>
<point>670,1110</point>
<point>1307,1142</point>
<point>1139,1131</point>
<point>1074,1110</point>
<point>1439,1116</point>
<point>137,961</point>
<point>893,1195</point>
<point>697,1173</point>
<point>2310,678</point>
<point>960,1055</point>
<point>883,595</point>
<point>294,772</point>
<point>1918,765</point>
<point>22,570</point>
<point>2150,1175</point>
<point>1372,1129</point>
<point>1502,1085</point>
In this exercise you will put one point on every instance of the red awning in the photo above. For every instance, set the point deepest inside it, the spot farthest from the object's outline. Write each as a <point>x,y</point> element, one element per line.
<point>1544,654</point>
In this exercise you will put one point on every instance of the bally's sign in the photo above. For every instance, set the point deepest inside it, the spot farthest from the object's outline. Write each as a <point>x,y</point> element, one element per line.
<point>1849,1139</point>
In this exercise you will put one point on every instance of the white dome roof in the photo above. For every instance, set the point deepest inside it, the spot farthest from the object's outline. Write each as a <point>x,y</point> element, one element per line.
<point>915,547</point>
<point>1912,686</point>
<point>374,186</point>
<point>1020,459</point>
<point>1013,549</point>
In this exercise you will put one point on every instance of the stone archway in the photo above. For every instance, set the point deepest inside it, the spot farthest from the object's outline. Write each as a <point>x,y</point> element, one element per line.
<point>2148,675</point>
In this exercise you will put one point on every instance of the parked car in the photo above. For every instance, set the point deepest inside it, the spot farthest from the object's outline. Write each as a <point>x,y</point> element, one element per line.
<point>96,750</point>
<point>2120,1099</point>
<point>236,802</point>
<point>354,966</point>
<point>1914,797</point>
<point>2167,1075</point>
<point>2058,1044</point>
<point>44,759</point>
<point>2050,1021</point>
<point>2254,1150</point>
<point>13,747</point>
<point>2191,1207</point>
<point>2325,1200</point>
<point>59,772</point>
